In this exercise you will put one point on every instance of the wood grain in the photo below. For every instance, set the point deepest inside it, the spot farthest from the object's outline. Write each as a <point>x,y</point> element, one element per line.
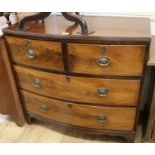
<point>82,115</point>
<point>121,36</point>
<point>9,99</point>
<point>121,92</point>
<point>125,60</point>
<point>48,54</point>
<point>104,27</point>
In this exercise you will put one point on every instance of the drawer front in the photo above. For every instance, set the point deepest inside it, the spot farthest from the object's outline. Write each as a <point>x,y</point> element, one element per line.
<point>80,89</point>
<point>41,54</point>
<point>122,60</point>
<point>81,115</point>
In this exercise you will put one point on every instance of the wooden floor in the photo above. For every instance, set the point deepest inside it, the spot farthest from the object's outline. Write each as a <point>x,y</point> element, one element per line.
<point>40,132</point>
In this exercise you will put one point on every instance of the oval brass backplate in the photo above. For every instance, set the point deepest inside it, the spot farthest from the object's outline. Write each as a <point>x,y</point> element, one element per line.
<point>103,61</point>
<point>37,83</point>
<point>31,54</point>
<point>102,91</point>
<point>102,118</point>
<point>44,107</point>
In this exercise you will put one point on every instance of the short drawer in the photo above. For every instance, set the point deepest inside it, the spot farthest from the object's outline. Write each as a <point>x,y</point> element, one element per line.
<point>79,89</point>
<point>120,60</point>
<point>81,115</point>
<point>41,54</point>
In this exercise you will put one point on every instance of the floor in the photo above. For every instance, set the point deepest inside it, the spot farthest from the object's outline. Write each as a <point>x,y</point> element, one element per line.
<point>40,132</point>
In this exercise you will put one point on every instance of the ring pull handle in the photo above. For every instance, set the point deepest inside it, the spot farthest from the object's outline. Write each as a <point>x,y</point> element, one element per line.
<point>103,61</point>
<point>102,118</point>
<point>44,107</point>
<point>30,53</point>
<point>102,91</point>
<point>37,83</point>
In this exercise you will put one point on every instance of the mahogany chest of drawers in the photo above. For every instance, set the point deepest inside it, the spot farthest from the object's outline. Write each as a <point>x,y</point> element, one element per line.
<point>92,83</point>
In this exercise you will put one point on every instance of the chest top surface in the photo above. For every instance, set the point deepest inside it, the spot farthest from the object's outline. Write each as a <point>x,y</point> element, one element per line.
<point>103,26</point>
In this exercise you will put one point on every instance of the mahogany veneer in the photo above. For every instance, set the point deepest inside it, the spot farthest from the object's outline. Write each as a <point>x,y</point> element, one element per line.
<point>47,54</point>
<point>91,83</point>
<point>120,92</point>
<point>9,98</point>
<point>125,60</point>
<point>82,115</point>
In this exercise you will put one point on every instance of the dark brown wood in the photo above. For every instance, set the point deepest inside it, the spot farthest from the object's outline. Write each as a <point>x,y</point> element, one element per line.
<point>121,92</point>
<point>47,54</point>
<point>124,60</point>
<point>39,16</point>
<point>130,138</point>
<point>78,20</point>
<point>10,103</point>
<point>65,57</point>
<point>82,115</point>
<point>42,15</point>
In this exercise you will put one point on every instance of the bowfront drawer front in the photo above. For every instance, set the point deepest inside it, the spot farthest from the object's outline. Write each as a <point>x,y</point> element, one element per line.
<point>80,89</point>
<point>117,60</point>
<point>41,54</point>
<point>81,115</point>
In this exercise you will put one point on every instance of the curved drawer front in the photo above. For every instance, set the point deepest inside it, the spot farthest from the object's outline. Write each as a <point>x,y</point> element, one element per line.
<point>81,115</point>
<point>41,54</point>
<point>122,60</point>
<point>80,89</point>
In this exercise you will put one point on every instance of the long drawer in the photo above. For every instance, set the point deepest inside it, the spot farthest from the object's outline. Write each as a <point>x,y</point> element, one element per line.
<point>120,60</point>
<point>107,118</point>
<point>41,54</point>
<point>80,89</point>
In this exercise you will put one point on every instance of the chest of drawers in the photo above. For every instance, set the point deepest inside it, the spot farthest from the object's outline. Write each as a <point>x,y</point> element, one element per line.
<point>92,83</point>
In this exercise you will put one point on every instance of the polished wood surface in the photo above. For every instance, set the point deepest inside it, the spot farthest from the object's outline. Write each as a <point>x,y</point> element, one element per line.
<point>82,115</point>
<point>125,60</point>
<point>127,39</point>
<point>47,54</point>
<point>104,26</point>
<point>9,98</point>
<point>120,92</point>
<point>4,86</point>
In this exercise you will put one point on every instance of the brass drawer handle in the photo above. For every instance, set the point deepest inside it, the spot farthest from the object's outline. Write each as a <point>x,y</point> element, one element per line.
<point>31,54</point>
<point>103,61</point>
<point>44,107</point>
<point>37,83</point>
<point>102,91</point>
<point>102,118</point>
